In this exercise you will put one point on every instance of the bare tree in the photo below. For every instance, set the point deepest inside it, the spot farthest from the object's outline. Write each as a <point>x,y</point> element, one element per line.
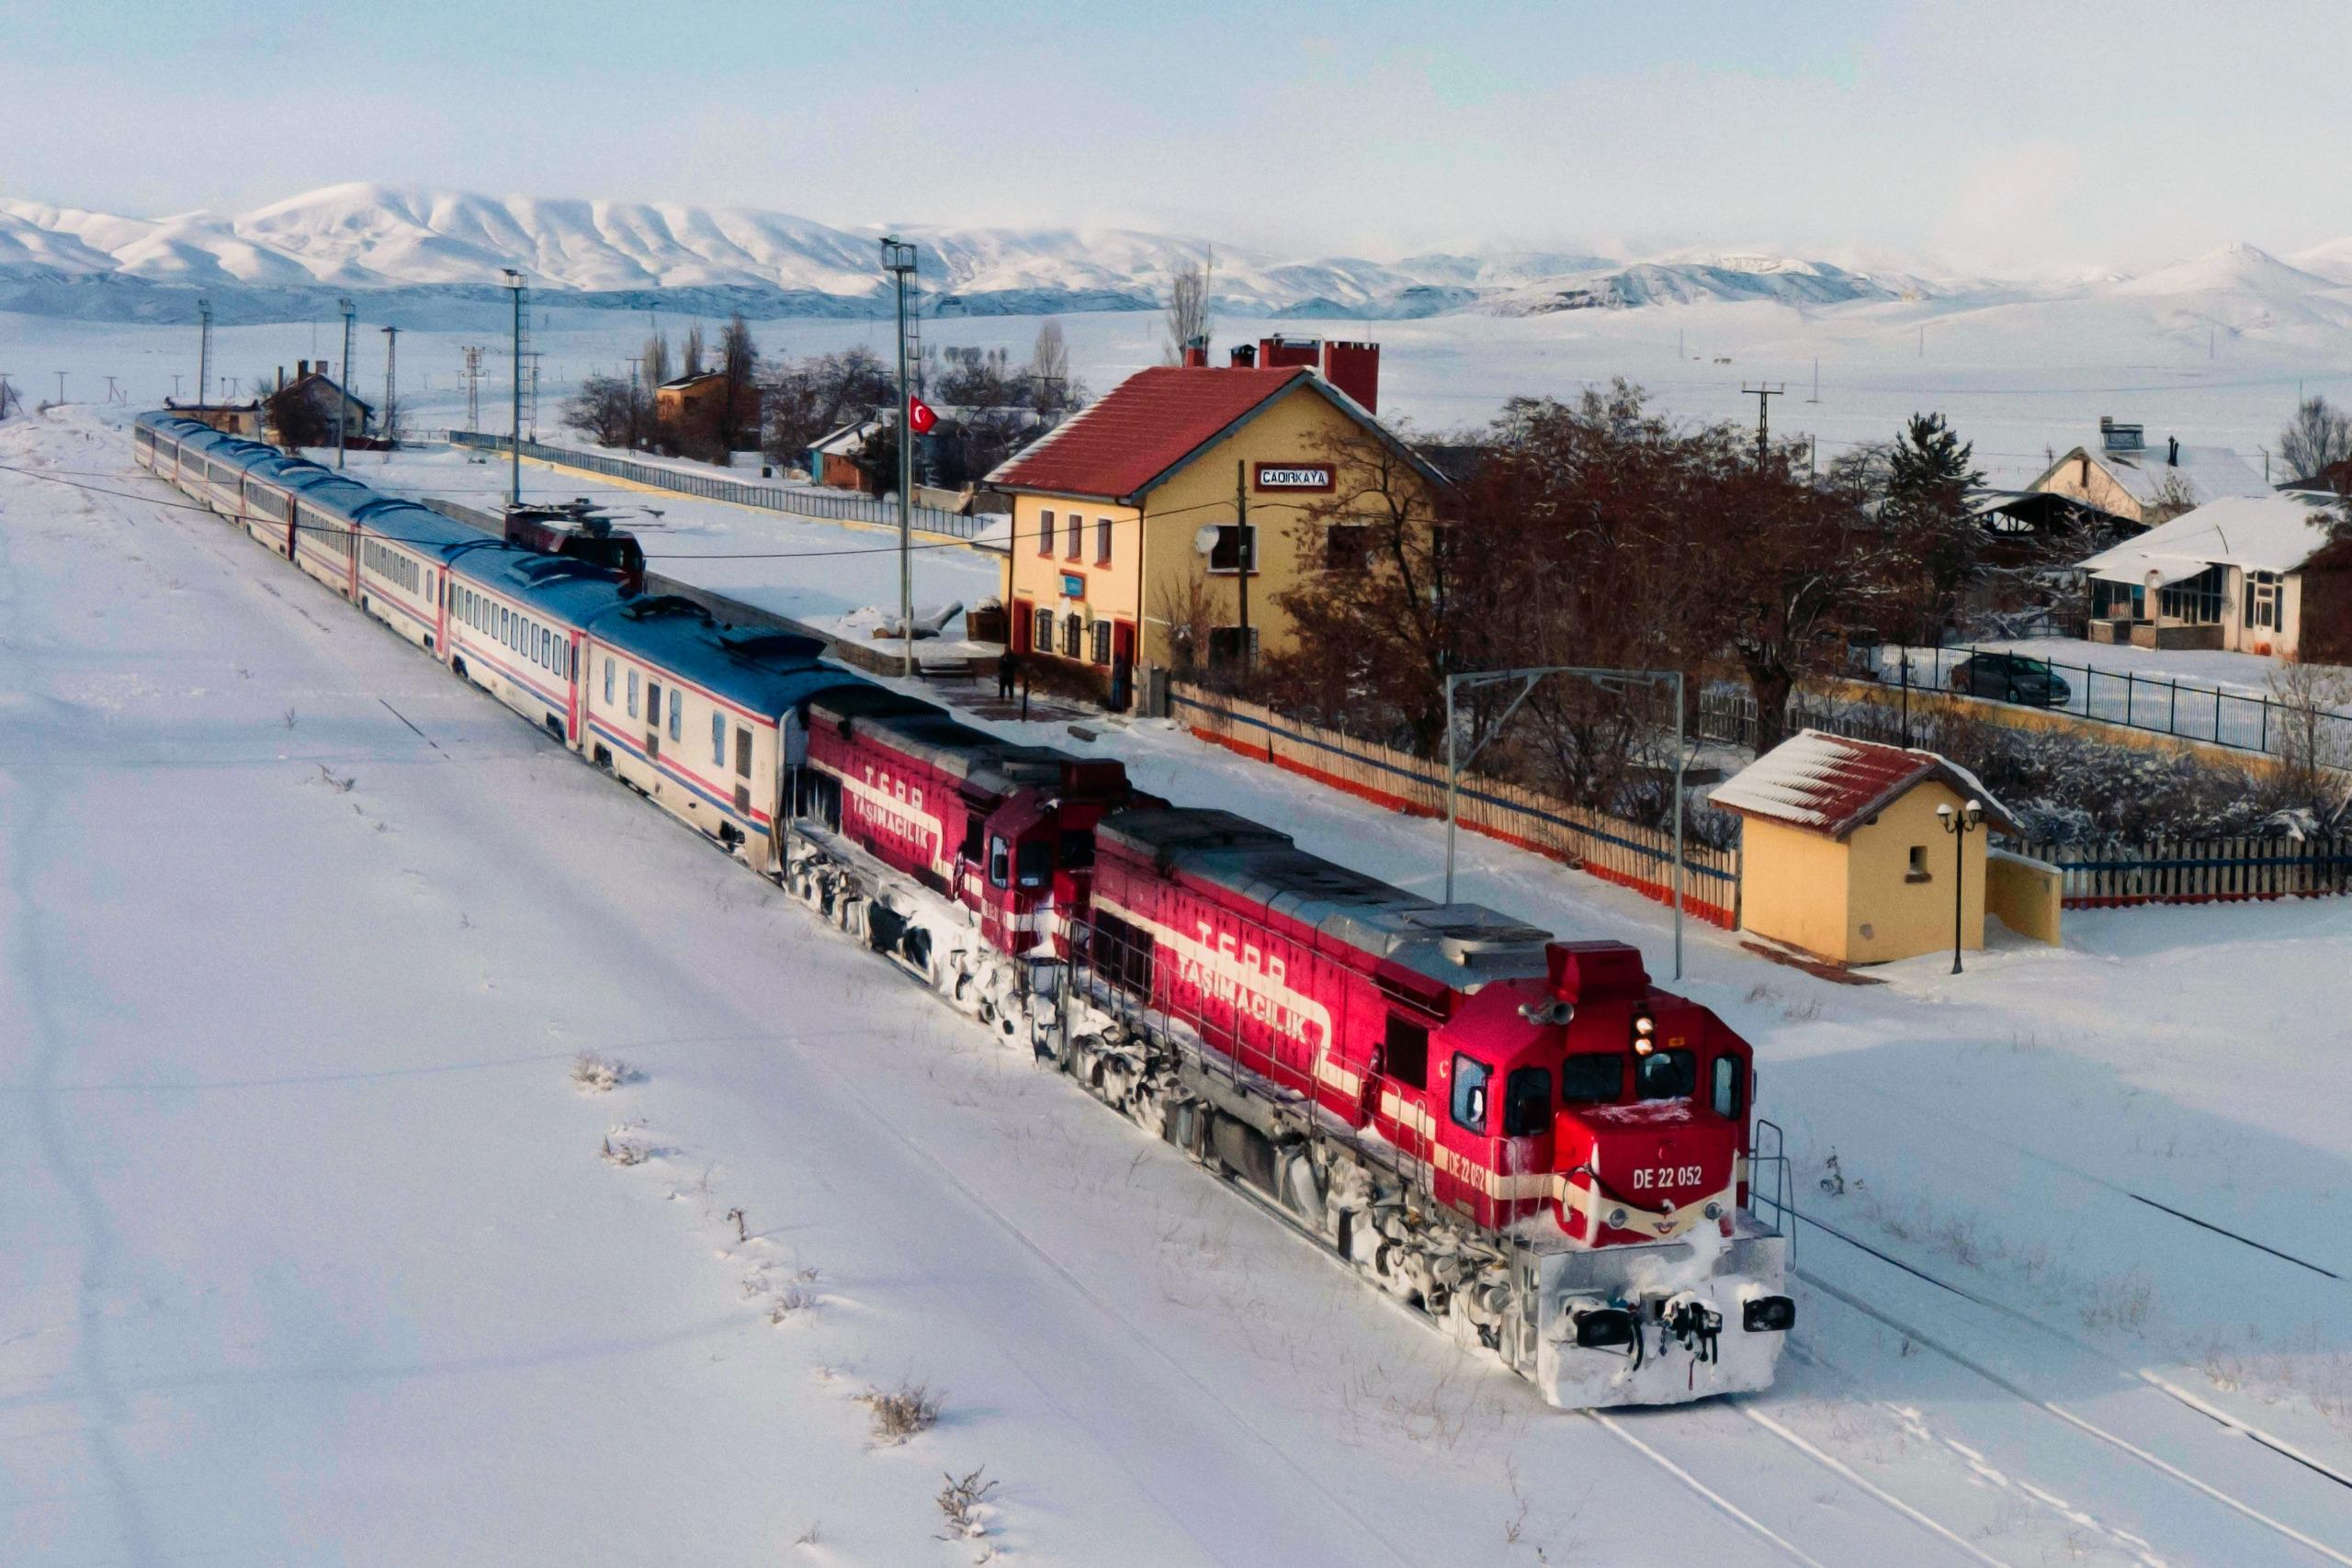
<point>2314,741</point>
<point>604,410</point>
<point>2175,494</point>
<point>2317,439</point>
<point>690,360</point>
<point>1053,391</point>
<point>736,412</point>
<point>1190,612</point>
<point>1187,310</point>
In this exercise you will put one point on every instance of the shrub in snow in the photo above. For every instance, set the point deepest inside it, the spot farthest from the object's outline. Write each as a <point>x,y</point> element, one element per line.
<point>626,1150</point>
<point>599,1075</point>
<point>964,1505</point>
<point>900,1413</point>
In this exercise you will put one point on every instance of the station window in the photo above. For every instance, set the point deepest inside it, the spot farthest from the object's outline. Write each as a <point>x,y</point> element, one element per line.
<point>1405,1052</point>
<point>1470,1076</point>
<point>1595,1078</point>
<point>1074,536</point>
<point>1073,634</point>
<point>1045,533</point>
<point>1101,640</point>
<point>1102,541</point>
<point>1043,640</point>
<point>1227,554</point>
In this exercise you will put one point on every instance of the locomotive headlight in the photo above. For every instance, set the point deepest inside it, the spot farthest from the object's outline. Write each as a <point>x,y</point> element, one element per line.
<point>1714,1210</point>
<point>1616,1219</point>
<point>1645,1035</point>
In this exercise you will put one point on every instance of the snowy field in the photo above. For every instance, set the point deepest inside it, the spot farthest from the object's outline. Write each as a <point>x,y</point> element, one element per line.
<point>316,1258</point>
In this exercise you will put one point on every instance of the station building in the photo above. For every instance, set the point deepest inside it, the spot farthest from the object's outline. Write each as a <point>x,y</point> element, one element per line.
<point>1184,503</point>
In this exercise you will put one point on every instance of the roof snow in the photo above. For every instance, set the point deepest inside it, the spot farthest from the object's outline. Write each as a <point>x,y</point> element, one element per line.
<point>2205,473</point>
<point>2267,533</point>
<point>1833,785</point>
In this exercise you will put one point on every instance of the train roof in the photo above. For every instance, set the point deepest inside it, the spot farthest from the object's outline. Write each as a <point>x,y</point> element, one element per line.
<point>421,527</point>
<point>929,734</point>
<point>766,671</point>
<point>1461,946</point>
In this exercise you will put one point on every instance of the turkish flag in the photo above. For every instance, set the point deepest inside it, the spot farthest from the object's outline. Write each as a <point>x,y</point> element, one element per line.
<point>920,416</point>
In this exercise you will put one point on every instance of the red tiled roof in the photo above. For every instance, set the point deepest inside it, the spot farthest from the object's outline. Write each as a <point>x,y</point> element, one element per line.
<point>1143,427</point>
<point>1832,784</point>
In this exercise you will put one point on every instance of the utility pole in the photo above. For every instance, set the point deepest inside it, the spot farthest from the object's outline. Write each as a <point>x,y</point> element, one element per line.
<point>473,388</point>
<point>4,394</point>
<point>1817,380</point>
<point>1241,557</point>
<point>342,388</point>
<point>633,395</point>
<point>113,396</point>
<point>1763,394</point>
<point>203,350</point>
<point>175,386</point>
<point>61,386</point>
<point>515,445</point>
<point>391,402</point>
<point>899,261</point>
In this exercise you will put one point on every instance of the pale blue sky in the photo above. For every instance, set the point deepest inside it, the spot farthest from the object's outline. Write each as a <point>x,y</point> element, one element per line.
<point>2001,135</point>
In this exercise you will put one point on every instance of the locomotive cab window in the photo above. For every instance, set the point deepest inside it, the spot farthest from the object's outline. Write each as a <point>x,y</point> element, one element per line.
<point>1666,1075</point>
<point>1527,1103</point>
<point>1000,864</point>
<point>1078,851</point>
<point>1723,1096</point>
<point>1470,1075</point>
<point>1592,1078</point>
<point>1406,1051</point>
<point>974,832</point>
<point>1036,862</point>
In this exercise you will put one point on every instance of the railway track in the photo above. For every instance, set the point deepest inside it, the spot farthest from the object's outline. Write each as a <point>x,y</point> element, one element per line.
<point>2128,1380</point>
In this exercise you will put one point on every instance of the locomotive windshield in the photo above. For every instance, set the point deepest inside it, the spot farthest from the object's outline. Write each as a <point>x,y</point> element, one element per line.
<point>1592,1078</point>
<point>1666,1075</point>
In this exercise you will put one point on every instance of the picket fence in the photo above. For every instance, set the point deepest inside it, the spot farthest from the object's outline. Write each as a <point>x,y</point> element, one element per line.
<point>1609,847</point>
<point>2198,871</point>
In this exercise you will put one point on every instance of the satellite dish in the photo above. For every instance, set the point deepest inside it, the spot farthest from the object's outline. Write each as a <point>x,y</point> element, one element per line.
<point>1205,540</point>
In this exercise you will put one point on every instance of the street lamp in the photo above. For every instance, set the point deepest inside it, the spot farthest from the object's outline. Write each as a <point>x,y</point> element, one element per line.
<point>1959,824</point>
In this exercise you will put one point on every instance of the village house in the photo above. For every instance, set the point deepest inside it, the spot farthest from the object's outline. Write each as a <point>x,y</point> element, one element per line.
<point>230,419</point>
<point>311,384</point>
<point>698,400</point>
<point>1168,512</point>
<point>2127,479</point>
<point>1845,852</point>
<point>2248,574</point>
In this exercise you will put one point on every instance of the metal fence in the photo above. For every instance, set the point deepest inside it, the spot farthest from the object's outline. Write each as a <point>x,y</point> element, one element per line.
<point>1610,847</point>
<point>2244,721</point>
<point>2198,871</point>
<point>823,505</point>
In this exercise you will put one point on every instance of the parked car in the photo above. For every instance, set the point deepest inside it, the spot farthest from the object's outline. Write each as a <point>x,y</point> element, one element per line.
<point>2011,678</point>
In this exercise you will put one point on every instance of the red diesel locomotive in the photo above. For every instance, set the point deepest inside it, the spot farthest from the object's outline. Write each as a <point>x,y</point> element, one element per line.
<point>1522,1138</point>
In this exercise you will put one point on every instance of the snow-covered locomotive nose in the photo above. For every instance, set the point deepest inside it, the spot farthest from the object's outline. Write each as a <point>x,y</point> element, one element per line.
<point>1661,1325</point>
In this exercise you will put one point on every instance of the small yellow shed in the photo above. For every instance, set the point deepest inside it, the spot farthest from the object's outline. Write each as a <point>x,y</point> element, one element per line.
<point>1845,853</point>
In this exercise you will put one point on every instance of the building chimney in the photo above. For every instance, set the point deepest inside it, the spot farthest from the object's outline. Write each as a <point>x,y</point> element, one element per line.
<point>1245,356</point>
<point>1355,368</point>
<point>1280,352</point>
<point>1196,353</point>
<point>280,385</point>
<point>2172,455</point>
<point>301,367</point>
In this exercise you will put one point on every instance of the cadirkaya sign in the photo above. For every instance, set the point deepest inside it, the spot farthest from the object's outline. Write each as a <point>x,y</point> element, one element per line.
<point>1294,476</point>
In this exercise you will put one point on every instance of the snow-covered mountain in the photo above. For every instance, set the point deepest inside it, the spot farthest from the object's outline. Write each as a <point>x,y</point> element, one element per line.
<point>414,246</point>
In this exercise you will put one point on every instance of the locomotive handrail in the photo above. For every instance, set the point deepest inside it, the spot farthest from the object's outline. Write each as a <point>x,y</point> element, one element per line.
<point>1782,1197</point>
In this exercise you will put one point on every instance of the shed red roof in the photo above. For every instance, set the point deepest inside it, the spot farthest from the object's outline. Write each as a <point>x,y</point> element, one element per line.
<point>1143,427</point>
<point>1833,785</point>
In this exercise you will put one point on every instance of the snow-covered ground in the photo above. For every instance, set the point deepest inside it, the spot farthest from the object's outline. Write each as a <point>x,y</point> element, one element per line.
<point>315,1258</point>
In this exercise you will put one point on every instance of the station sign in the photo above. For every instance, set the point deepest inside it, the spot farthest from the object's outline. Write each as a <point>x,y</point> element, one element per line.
<point>1294,476</point>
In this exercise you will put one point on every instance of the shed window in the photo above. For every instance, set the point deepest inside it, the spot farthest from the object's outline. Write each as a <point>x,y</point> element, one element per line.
<point>1405,1052</point>
<point>1470,1075</point>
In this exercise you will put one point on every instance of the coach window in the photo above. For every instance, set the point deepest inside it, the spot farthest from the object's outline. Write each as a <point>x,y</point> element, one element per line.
<point>677,713</point>
<point>1527,1103</point>
<point>1000,863</point>
<point>1470,1075</point>
<point>1593,1077</point>
<point>632,693</point>
<point>1724,1094</point>
<point>742,753</point>
<point>1405,1052</point>
<point>718,740</point>
<point>608,683</point>
<point>1666,1075</point>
